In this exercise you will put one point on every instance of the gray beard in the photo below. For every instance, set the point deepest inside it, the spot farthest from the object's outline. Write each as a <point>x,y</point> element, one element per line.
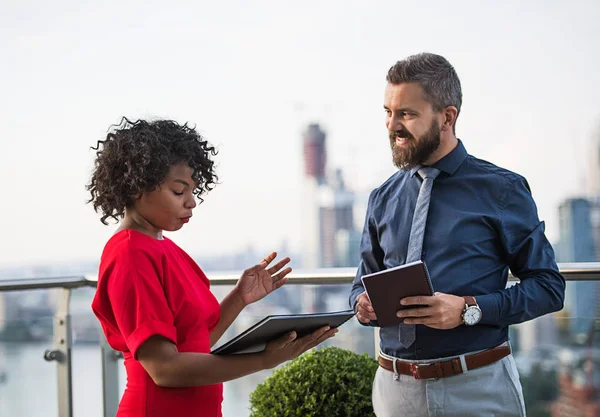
<point>416,151</point>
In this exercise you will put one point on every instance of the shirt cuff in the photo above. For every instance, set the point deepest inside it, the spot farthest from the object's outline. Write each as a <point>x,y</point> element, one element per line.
<point>353,301</point>
<point>490,309</point>
<point>147,330</point>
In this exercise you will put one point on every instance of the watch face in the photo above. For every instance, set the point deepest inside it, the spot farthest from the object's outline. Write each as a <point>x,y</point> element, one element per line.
<point>472,316</point>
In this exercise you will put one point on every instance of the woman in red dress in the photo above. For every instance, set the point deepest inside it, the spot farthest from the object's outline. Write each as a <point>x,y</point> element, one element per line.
<point>153,301</point>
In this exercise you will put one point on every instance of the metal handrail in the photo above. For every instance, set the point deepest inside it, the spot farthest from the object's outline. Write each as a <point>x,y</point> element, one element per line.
<point>23,284</point>
<point>580,271</point>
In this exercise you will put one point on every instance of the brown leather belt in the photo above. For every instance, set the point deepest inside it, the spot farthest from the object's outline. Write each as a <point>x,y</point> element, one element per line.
<point>445,368</point>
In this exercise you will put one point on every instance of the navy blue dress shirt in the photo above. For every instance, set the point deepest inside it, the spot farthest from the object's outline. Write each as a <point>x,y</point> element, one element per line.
<point>482,221</point>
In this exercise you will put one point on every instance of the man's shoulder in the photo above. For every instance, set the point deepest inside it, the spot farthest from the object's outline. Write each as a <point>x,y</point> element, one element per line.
<point>390,184</point>
<point>482,167</point>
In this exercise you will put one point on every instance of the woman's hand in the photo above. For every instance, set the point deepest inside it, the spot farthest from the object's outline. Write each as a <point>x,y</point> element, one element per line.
<point>290,346</point>
<point>258,281</point>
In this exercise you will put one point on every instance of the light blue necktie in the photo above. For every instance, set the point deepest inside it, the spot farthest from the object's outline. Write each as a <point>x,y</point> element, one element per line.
<point>406,332</point>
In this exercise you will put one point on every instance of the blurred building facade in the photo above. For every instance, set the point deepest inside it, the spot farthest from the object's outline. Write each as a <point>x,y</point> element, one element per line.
<point>579,371</point>
<point>330,237</point>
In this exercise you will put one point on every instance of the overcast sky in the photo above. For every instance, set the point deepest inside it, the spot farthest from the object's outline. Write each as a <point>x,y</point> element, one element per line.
<point>251,74</point>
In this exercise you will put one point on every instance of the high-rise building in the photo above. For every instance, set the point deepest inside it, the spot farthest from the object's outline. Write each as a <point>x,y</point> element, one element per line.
<point>592,179</point>
<point>576,237</point>
<point>328,207</point>
<point>315,164</point>
<point>348,247</point>
<point>578,219</point>
<point>3,311</point>
<point>336,204</point>
<point>315,153</point>
<point>594,203</point>
<point>577,244</point>
<point>330,238</point>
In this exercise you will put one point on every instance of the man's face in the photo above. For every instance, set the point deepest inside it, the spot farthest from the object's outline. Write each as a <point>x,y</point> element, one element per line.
<point>412,124</point>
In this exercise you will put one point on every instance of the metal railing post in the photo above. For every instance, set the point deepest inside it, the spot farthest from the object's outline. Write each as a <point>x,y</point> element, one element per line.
<point>62,354</point>
<point>110,378</point>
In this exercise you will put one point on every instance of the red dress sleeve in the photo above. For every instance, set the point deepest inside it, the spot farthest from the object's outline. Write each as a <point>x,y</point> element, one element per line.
<point>133,287</point>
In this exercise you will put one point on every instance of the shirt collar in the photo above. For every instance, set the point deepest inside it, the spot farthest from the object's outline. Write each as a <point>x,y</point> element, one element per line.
<point>449,163</point>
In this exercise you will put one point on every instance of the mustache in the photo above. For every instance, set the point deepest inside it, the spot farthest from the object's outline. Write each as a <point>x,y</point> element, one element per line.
<point>402,134</point>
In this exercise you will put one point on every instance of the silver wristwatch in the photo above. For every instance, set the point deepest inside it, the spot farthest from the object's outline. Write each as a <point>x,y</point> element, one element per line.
<point>472,313</point>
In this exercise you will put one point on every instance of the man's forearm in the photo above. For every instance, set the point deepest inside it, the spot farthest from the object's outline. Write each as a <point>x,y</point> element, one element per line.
<point>532,297</point>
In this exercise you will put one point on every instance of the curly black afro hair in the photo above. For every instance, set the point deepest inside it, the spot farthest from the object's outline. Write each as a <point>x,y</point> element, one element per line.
<point>136,157</point>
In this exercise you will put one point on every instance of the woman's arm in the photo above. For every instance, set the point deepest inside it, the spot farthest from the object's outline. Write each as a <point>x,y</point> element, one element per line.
<point>255,283</point>
<point>231,306</point>
<point>170,368</point>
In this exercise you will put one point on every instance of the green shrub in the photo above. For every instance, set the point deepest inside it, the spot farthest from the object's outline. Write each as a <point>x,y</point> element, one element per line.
<point>327,382</point>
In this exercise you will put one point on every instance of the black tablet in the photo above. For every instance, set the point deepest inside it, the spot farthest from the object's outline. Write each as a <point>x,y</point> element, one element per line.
<point>272,327</point>
<point>386,288</point>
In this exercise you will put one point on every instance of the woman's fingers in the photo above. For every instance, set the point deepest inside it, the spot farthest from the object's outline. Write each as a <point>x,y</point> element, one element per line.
<point>278,265</point>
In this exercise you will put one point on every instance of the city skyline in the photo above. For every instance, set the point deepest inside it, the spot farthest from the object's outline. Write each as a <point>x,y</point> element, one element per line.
<point>251,77</point>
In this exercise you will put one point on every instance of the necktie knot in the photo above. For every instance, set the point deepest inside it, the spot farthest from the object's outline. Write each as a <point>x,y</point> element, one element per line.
<point>428,172</point>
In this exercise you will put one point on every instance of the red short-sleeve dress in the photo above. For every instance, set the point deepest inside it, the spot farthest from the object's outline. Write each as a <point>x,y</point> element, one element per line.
<point>152,287</point>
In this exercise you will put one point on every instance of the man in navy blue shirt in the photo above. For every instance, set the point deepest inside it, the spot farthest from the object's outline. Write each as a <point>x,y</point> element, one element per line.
<point>482,221</point>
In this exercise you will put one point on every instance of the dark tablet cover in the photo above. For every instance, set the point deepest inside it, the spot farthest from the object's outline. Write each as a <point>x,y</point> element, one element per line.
<point>386,288</point>
<point>272,327</point>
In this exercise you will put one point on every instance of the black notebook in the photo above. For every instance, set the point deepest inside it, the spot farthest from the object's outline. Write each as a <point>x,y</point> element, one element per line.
<point>272,327</point>
<point>386,288</point>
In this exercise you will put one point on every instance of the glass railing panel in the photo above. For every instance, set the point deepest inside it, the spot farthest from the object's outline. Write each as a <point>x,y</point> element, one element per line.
<point>27,382</point>
<point>86,357</point>
<point>562,378</point>
<point>558,355</point>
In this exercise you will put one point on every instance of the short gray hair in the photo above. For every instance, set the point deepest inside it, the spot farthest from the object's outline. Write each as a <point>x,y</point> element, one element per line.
<point>436,76</point>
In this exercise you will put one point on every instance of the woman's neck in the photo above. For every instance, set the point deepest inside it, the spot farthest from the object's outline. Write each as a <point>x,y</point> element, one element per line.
<point>135,221</point>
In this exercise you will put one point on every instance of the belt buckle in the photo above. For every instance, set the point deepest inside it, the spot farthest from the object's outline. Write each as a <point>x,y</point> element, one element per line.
<point>415,368</point>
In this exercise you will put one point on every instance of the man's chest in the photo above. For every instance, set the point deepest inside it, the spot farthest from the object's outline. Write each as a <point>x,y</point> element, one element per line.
<point>457,223</point>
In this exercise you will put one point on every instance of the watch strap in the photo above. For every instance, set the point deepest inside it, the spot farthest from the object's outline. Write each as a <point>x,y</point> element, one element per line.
<point>470,300</point>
